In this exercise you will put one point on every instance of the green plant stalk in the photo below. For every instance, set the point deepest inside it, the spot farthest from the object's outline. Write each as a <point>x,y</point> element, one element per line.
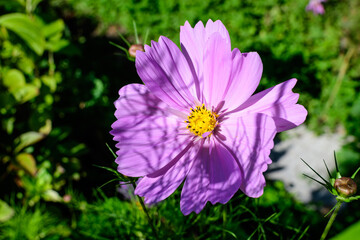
<point>147,213</point>
<point>331,220</point>
<point>51,64</point>
<point>339,79</point>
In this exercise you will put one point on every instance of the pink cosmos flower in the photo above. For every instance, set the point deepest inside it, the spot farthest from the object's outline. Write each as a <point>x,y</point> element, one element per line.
<point>316,6</point>
<point>197,121</point>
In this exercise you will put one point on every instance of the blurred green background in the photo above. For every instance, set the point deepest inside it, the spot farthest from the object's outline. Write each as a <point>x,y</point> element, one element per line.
<point>59,77</point>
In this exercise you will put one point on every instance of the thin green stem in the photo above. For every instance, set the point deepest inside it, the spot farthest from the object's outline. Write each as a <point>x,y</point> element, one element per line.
<point>147,213</point>
<point>340,77</point>
<point>51,64</point>
<point>331,220</point>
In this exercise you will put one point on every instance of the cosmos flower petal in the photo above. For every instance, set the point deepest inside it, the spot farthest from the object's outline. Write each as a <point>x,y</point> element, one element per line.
<point>193,44</point>
<point>217,68</point>
<point>165,71</point>
<point>278,102</point>
<point>217,27</point>
<point>250,138</point>
<point>225,175</point>
<point>194,192</point>
<point>147,137</point>
<point>246,73</point>
<point>215,177</point>
<point>162,183</point>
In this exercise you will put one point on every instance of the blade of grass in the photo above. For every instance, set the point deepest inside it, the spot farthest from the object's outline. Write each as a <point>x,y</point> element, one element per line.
<point>304,232</point>
<point>146,36</point>
<point>110,181</point>
<point>136,33</point>
<point>111,150</point>
<point>107,168</point>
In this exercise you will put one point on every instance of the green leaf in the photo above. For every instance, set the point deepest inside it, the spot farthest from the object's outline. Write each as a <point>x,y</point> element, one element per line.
<point>115,156</point>
<point>53,28</point>
<point>26,93</point>
<point>120,177</point>
<point>10,4</point>
<point>349,233</point>
<point>51,196</point>
<point>49,81</point>
<point>8,125</point>
<point>27,139</point>
<point>14,79</point>
<point>46,129</point>
<point>56,45</point>
<point>78,149</point>
<point>53,33</point>
<point>26,65</point>
<point>6,212</point>
<point>26,29</point>
<point>27,161</point>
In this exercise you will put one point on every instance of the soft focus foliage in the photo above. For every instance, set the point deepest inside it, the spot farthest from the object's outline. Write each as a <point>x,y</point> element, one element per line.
<point>28,95</point>
<point>59,77</point>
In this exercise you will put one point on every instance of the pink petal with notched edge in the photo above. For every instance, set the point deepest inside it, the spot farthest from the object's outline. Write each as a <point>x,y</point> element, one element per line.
<point>278,102</point>
<point>217,68</point>
<point>147,137</point>
<point>215,177</point>
<point>165,71</point>
<point>162,183</point>
<point>217,27</point>
<point>193,42</point>
<point>245,76</point>
<point>249,139</point>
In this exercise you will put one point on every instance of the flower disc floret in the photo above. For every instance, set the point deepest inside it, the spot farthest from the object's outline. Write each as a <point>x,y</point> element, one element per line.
<point>201,120</point>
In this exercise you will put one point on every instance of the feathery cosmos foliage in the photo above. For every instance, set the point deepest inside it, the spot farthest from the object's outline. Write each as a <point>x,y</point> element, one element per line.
<point>196,119</point>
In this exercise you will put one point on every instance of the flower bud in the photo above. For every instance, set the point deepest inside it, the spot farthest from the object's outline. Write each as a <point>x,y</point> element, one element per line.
<point>345,186</point>
<point>133,48</point>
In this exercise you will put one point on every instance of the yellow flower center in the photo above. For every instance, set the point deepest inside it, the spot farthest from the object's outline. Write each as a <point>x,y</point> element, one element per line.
<point>201,120</point>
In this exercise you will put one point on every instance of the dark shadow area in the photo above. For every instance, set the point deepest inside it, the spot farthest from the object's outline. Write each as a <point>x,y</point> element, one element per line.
<point>93,71</point>
<point>279,70</point>
<point>323,197</point>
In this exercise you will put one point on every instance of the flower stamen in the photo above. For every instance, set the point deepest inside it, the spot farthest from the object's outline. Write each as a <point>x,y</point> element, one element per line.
<point>201,120</point>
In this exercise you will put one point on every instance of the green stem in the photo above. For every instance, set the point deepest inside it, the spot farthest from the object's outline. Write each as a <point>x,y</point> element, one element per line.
<point>340,77</point>
<point>331,220</point>
<point>147,213</point>
<point>51,64</point>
